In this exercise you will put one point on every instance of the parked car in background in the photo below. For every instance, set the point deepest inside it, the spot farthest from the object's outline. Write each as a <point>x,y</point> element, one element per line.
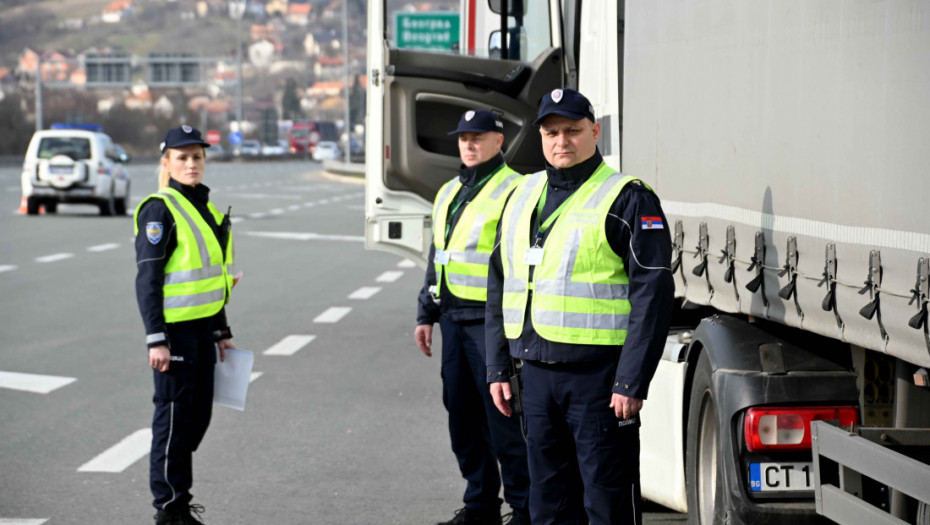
<point>274,150</point>
<point>326,150</point>
<point>250,148</point>
<point>74,164</point>
<point>217,152</point>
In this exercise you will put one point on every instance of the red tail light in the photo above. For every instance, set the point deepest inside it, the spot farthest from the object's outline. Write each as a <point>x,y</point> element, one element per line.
<point>789,428</point>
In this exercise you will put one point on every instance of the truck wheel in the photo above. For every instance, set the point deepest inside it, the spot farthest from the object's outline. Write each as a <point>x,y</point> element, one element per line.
<point>32,206</point>
<point>704,485</point>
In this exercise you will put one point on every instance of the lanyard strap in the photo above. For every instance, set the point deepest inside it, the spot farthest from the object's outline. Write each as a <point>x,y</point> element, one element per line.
<point>542,228</point>
<point>457,203</point>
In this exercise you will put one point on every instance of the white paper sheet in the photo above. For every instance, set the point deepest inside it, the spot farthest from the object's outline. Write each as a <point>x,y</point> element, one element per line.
<point>232,378</point>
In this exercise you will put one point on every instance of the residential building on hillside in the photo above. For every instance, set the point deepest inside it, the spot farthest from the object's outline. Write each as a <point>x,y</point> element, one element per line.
<point>116,11</point>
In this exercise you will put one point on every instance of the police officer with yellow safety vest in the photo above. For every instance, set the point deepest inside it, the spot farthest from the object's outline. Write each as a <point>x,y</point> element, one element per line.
<point>579,290</point>
<point>465,217</point>
<point>184,256</point>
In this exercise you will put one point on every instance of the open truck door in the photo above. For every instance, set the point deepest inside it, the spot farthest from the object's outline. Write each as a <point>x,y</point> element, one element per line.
<point>420,83</point>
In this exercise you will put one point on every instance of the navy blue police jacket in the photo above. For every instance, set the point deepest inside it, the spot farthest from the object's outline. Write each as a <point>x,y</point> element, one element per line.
<point>646,256</point>
<point>152,254</point>
<point>452,307</point>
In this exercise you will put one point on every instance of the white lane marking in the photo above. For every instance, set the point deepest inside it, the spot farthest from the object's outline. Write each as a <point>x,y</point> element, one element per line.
<point>103,247</point>
<point>332,315</point>
<point>39,384</point>
<point>324,201</point>
<point>265,196</point>
<point>389,277</point>
<point>309,204</point>
<point>365,292</point>
<point>235,220</point>
<point>257,215</point>
<point>293,207</point>
<point>406,263</point>
<point>254,376</point>
<point>276,211</point>
<point>7,267</point>
<point>289,345</point>
<point>17,521</point>
<point>121,455</point>
<point>54,257</point>
<point>297,236</point>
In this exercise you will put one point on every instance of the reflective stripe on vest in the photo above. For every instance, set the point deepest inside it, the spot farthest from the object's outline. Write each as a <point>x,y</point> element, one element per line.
<point>472,239</point>
<point>197,279</point>
<point>580,290</point>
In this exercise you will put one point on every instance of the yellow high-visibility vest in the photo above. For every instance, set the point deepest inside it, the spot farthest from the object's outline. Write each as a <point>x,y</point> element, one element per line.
<point>197,278</point>
<point>580,289</point>
<point>463,262</point>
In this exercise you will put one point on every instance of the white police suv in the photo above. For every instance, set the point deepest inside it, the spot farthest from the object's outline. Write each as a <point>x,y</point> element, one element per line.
<point>74,163</point>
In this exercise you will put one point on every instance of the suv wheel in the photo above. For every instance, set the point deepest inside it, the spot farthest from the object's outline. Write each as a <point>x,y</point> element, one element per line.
<point>120,203</point>
<point>108,206</point>
<point>32,206</point>
<point>50,206</point>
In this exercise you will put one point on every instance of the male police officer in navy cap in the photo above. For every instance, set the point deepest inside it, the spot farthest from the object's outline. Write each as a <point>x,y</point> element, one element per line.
<point>581,291</point>
<point>465,216</point>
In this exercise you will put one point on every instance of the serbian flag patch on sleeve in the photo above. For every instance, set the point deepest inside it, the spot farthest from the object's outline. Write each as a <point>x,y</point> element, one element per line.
<point>652,223</point>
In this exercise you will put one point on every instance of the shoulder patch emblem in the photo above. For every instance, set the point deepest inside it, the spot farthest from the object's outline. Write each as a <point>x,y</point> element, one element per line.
<point>652,223</point>
<point>154,231</point>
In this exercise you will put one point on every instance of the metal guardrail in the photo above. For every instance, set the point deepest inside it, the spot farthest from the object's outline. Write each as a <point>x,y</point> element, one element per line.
<point>864,453</point>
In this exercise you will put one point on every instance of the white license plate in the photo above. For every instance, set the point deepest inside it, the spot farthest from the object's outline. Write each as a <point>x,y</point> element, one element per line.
<point>769,477</point>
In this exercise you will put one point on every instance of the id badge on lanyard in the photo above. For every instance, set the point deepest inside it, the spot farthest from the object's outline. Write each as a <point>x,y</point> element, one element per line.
<point>533,256</point>
<point>442,257</point>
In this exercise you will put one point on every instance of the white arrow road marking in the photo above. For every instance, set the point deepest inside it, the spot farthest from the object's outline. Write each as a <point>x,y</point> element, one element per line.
<point>289,345</point>
<point>365,292</point>
<point>389,277</point>
<point>7,267</point>
<point>297,236</point>
<point>121,455</point>
<point>54,257</point>
<point>33,382</point>
<point>103,247</point>
<point>332,315</point>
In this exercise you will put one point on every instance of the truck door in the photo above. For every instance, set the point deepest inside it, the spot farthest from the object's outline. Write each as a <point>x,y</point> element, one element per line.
<point>422,80</point>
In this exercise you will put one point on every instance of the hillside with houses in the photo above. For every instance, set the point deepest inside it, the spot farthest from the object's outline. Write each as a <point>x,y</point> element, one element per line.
<point>293,65</point>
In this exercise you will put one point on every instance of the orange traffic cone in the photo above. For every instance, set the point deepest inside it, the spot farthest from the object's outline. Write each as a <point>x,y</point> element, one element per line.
<point>24,208</point>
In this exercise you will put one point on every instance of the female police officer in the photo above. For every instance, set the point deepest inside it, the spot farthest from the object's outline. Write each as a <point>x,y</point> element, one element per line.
<point>184,256</point>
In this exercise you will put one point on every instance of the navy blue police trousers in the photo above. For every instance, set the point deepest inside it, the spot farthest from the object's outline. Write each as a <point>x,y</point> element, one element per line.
<point>481,436</point>
<point>183,407</point>
<point>584,465</point>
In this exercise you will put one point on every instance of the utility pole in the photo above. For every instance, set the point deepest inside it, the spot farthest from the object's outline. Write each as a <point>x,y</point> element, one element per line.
<point>39,124</point>
<point>345,60</point>
<point>238,13</point>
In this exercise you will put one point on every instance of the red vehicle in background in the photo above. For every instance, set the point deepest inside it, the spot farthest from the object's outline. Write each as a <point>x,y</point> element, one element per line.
<point>304,136</point>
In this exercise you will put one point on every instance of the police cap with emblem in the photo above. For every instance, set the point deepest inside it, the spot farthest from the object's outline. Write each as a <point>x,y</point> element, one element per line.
<point>479,121</point>
<point>182,136</point>
<point>567,103</point>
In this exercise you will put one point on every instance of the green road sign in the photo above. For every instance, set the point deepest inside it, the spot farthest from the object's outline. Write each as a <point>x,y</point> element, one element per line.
<point>433,31</point>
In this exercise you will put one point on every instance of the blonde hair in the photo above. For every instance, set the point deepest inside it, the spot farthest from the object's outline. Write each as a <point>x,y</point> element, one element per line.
<point>164,176</point>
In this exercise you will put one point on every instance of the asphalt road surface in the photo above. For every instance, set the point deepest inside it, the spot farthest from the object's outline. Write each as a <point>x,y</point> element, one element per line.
<point>344,422</point>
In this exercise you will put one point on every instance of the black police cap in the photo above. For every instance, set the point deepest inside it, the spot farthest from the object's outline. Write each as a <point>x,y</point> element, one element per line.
<point>567,103</point>
<point>478,121</point>
<point>182,136</point>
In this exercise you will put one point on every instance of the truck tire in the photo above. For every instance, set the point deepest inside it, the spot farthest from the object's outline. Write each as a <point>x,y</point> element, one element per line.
<point>702,478</point>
